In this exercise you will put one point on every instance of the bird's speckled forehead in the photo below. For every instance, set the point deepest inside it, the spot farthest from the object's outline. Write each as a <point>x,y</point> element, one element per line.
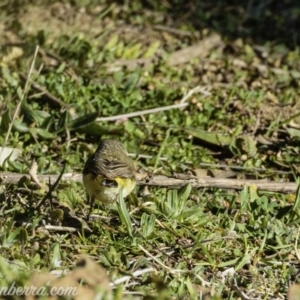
<point>109,144</point>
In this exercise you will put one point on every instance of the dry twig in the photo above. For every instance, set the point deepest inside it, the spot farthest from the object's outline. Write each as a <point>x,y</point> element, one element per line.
<point>141,113</point>
<point>164,181</point>
<point>183,103</point>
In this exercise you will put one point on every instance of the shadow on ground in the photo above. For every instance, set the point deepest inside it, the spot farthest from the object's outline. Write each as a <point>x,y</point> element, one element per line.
<point>258,20</point>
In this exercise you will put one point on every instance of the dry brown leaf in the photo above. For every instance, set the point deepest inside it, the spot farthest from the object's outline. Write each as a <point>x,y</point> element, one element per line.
<point>200,173</point>
<point>33,172</point>
<point>199,50</point>
<point>91,272</point>
<point>294,292</point>
<point>80,283</point>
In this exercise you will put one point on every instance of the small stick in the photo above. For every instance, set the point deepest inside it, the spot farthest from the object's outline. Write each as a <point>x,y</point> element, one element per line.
<point>7,178</point>
<point>234,167</point>
<point>141,113</point>
<point>197,89</point>
<point>61,228</point>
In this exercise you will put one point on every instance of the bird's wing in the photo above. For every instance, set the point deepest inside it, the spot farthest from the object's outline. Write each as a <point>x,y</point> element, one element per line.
<point>109,168</point>
<point>115,168</point>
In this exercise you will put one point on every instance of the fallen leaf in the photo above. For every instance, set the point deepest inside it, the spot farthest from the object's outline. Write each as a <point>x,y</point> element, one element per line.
<point>8,154</point>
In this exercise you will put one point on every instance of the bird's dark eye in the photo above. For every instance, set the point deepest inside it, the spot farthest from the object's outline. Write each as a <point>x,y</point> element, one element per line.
<point>109,183</point>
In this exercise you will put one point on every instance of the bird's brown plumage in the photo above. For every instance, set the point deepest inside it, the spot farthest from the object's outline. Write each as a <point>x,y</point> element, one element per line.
<point>110,161</point>
<point>108,171</point>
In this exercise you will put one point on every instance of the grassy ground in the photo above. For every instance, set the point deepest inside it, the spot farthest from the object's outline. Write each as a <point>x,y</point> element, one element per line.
<point>100,59</point>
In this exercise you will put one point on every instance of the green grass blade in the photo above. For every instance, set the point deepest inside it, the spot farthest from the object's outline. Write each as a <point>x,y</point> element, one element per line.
<point>123,213</point>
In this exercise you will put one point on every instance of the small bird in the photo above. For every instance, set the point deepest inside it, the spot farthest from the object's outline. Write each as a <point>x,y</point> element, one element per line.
<point>108,171</point>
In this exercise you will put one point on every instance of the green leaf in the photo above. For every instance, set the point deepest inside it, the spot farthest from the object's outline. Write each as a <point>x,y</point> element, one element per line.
<point>41,133</point>
<point>112,256</point>
<point>210,137</point>
<point>56,258</point>
<point>112,42</point>
<point>19,126</point>
<point>33,116</point>
<point>191,289</point>
<point>184,193</point>
<point>57,215</point>
<point>6,270</point>
<point>296,204</point>
<point>207,255</point>
<point>133,51</point>
<point>253,193</point>
<point>61,68</point>
<point>293,132</point>
<point>123,213</point>
<point>35,260</point>
<point>8,76</point>
<point>247,144</point>
<point>8,155</point>
<point>152,49</point>
<point>11,238</point>
<point>5,120</point>
<point>147,224</point>
<point>171,207</point>
<point>194,215</point>
<point>228,263</point>
<point>19,92</point>
<point>23,235</point>
<point>245,260</point>
<point>94,129</point>
<point>81,121</point>
<point>70,197</point>
<point>131,82</point>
